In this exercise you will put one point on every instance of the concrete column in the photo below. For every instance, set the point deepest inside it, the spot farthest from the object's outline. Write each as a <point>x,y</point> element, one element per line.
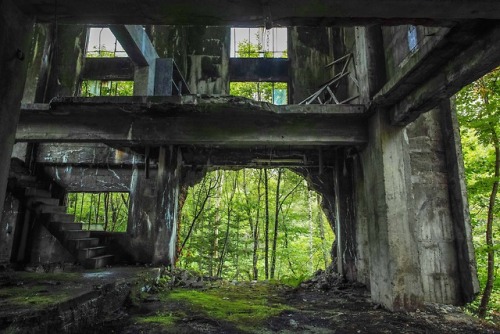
<point>345,233</point>
<point>154,210</point>
<point>66,52</point>
<point>385,198</point>
<point>460,216</point>
<point>15,38</point>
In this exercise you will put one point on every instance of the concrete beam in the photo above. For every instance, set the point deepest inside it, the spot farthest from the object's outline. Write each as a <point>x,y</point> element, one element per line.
<point>114,69</point>
<point>250,13</point>
<point>258,69</point>
<point>141,51</point>
<point>482,56</point>
<point>191,120</point>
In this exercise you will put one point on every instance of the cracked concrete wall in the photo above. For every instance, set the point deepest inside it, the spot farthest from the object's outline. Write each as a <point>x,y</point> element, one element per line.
<point>405,224</point>
<point>201,53</point>
<point>153,211</point>
<point>397,46</point>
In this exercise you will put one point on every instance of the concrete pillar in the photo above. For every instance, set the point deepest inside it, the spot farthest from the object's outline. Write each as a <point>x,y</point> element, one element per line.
<point>154,210</point>
<point>345,231</point>
<point>460,216</point>
<point>66,51</point>
<point>385,196</point>
<point>15,38</point>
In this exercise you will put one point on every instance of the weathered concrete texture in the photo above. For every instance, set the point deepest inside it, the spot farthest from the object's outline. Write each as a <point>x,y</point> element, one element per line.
<point>433,226</point>
<point>67,51</point>
<point>153,211</point>
<point>248,13</point>
<point>202,54</point>
<point>9,228</point>
<point>45,248</point>
<point>192,120</point>
<point>310,49</point>
<point>88,179</point>
<point>15,37</point>
<point>458,202</point>
<point>398,48</point>
<point>85,154</point>
<point>384,198</point>
<point>39,61</point>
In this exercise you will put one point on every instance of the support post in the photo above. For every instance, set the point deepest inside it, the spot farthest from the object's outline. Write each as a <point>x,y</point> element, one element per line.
<point>15,38</point>
<point>345,217</point>
<point>458,201</point>
<point>153,212</point>
<point>395,280</point>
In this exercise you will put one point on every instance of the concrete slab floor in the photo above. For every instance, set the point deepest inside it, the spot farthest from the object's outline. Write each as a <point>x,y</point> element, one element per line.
<point>38,302</point>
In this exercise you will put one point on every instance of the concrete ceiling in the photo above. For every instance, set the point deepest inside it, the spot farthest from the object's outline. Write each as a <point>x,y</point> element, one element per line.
<point>254,13</point>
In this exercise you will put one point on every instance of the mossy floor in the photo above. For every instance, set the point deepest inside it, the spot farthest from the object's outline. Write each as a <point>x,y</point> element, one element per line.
<point>251,307</point>
<point>238,307</point>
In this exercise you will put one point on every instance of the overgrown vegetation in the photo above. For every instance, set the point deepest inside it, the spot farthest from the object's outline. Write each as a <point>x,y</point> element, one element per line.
<point>100,211</point>
<point>478,107</point>
<point>254,224</point>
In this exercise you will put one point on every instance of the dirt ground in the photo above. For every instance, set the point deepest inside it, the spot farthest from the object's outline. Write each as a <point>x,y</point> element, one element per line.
<point>317,306</point>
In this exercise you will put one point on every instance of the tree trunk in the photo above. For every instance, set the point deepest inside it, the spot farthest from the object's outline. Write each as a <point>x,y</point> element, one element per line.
<point>485,299</point>
<point>276,223</point>
<point>266,229</point>
<point>311,248</point>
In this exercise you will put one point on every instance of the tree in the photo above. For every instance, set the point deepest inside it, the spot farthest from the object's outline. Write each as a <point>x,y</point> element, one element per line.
<point>478,106</point>
<point>259,91</point>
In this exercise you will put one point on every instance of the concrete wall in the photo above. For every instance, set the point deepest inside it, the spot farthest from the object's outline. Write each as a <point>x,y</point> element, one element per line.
<point>201,53</point>
<point>404,217</point>
<point>309,50</point>
<point>397,47</point>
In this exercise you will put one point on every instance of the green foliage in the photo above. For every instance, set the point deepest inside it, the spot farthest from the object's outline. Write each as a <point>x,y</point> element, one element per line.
<point>222,238</point>
<point>100,211</point>
<point>272,92</point>
<point>478,107</point>
<point>90,88</point>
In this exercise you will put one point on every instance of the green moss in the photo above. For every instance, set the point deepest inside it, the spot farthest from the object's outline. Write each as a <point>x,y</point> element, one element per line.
<point>244,307</point>
<point>36,296</point>
<point>164,319</point>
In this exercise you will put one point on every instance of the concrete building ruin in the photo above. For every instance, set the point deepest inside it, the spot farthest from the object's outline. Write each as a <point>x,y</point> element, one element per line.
<point>387,162</point>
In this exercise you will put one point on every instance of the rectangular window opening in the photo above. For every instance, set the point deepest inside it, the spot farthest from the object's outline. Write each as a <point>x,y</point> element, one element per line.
<point>259,43</point>
<point>106,211</point>
<point>272,92</point>
<point>101,43</point>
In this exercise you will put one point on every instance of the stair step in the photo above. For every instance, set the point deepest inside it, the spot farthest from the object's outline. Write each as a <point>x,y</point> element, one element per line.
<point>60,217</point>
<point>37,192</point>
<point>47,208</point>
<point>35,200</point>
<point>86,253</point>
<point>66,226</point>
<point>82,243</point>
<point>76,234</point>
<point>98,261</point>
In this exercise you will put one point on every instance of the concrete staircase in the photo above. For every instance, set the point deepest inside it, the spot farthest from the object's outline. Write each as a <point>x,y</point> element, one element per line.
<point>77,241</point>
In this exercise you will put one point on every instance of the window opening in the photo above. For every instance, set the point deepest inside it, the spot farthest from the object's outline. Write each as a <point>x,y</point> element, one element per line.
<point>103,44</point>
<point>107,211</point>
<point>272,92</point>
<point>259,43</point>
